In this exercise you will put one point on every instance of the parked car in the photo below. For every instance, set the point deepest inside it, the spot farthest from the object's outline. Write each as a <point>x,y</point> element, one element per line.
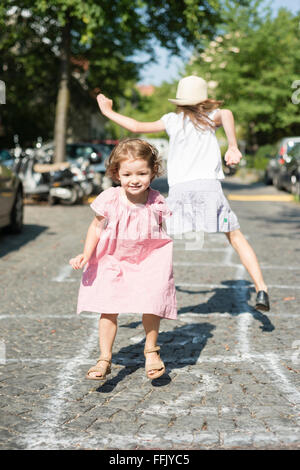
<point>86,151</point>
<point>11,200</point>
<point>288,175</point>
<point>275,170</point>
<point>271,169</point>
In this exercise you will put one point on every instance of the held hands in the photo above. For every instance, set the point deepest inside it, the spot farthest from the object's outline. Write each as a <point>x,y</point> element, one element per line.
<point>105,104</point>
<point>233,156</point>
<point>79,261</point>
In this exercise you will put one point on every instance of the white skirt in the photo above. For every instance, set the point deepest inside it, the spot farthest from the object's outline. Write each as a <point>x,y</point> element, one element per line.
<point>199,206</point>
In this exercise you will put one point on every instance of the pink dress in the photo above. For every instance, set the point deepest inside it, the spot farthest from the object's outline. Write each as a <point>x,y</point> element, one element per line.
<point>131,269</point>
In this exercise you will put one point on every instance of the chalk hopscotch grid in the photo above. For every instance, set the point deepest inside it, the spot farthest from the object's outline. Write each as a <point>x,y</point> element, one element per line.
<point>269,362</point>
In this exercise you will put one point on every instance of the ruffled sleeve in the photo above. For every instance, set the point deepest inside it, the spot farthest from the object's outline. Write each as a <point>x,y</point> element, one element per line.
<point>102,203</point>
<point>159,206</point>
<point>170,121</point>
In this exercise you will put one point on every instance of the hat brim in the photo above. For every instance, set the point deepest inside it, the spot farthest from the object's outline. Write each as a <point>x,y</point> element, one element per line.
<point>185,102</point>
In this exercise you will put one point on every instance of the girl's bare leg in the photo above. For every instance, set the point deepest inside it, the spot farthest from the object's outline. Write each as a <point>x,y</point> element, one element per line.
<point>248,258</point>
<point>151,325</point>
<point>108,325</point>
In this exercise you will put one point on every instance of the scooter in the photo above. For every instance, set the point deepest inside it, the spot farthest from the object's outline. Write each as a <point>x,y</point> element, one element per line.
<point>71,184</point>
<point>63,187</point>
<point>35,183</point>
<point>52,182</point>
<point>84,176</point>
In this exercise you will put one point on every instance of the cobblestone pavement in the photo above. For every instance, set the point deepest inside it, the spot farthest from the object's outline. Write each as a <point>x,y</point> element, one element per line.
<point>233,373</point>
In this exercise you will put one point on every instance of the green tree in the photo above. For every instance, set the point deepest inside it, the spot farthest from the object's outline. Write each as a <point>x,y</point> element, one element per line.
<point>143,108</point>
<point>29,70</point>
<point>252,66</point>
<point>106,34</point>
<point>252,63</point>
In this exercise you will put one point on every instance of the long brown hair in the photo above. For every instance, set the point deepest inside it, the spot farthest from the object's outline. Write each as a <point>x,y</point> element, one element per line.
<point>198,113</point>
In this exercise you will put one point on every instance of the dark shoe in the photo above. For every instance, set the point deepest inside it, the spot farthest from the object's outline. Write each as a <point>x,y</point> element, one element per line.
<point>262,301</point>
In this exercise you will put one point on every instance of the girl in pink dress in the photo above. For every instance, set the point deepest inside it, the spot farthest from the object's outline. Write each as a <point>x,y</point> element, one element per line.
<point>128,255</point>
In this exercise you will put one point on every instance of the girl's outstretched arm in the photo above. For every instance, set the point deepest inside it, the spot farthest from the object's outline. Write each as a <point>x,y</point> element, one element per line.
<point>128,123</point>
<point>91,241</point>
<point>224,117</point>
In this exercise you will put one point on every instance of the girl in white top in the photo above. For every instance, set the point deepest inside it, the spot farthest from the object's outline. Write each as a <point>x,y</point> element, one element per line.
<point>196,197</point>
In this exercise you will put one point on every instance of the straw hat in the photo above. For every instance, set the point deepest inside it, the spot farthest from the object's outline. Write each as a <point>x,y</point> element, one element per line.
<point>190,91</point>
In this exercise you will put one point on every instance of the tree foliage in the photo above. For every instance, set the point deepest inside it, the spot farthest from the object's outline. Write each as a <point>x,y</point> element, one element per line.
<point>252,67</point>
<point>105,34</point>
<point>251,63</point>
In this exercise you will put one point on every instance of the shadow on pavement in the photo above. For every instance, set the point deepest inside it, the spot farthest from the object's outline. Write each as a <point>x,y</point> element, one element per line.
<point>184,343</point>
<point>232,299</point>
<point>224,300</point>
<point>9,242</point>
<point>287,215</point>
<point>231,184</point>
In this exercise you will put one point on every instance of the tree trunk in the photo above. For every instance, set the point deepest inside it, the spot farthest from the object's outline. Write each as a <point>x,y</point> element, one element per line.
<point>63,97</point>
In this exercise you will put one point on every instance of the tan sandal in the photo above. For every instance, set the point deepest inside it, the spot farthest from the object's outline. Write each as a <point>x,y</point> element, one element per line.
<point>104,369</point>
<point>159,365</point>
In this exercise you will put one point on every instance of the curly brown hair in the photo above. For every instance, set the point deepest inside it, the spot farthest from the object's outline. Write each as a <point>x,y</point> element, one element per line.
<point>132,148</point>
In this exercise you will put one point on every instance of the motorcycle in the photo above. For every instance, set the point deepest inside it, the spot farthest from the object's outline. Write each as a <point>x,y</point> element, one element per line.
<point>71,184</point>
<point>66,182</point>
<point>63,189</point>
<point>35,183</point>
<point>84,176</point>
<point>52,182</point>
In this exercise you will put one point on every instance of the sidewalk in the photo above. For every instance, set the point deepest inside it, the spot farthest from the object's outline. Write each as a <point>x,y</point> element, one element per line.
<point>232,378</point>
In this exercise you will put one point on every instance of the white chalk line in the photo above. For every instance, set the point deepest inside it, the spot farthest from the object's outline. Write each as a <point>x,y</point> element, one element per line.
<point>243,347</point>
<point>64,274</point>
<point>243,357</point>
<point>65,381</point>
<point>46,433</point>
<point>182,317</point>
<point>203,439</point>
<point>244,318</point>
<point>223,286</point>
<point>280,380</point>
<point>234,265</point>
<point>244,322</point>
<point>66,271</point>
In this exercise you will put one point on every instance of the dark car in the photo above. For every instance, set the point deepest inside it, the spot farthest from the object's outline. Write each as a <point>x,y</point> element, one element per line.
<point>288,174</point>
<point>86,151</point>
<point>11,200</point>
<point>275,169</point>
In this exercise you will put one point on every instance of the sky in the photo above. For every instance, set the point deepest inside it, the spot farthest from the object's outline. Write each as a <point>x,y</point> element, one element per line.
<point>168,69</point>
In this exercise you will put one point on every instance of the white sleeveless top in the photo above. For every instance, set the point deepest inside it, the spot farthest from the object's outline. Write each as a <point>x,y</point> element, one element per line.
<point>193,154</point>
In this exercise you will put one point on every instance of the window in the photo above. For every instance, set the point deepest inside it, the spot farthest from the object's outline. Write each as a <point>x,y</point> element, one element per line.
<point>294,151</point>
